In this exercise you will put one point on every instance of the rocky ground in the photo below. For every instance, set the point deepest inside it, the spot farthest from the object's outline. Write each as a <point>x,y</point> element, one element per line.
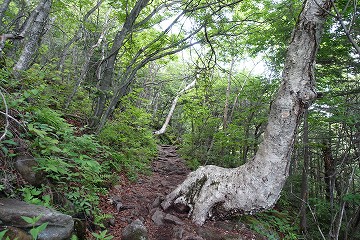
<point>140,201</point>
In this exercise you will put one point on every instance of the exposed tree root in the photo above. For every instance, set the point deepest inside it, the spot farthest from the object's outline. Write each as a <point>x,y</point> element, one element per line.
<point>217,192</point>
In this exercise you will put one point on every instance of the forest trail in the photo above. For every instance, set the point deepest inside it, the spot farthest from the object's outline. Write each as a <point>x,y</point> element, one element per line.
<point>129,201</point>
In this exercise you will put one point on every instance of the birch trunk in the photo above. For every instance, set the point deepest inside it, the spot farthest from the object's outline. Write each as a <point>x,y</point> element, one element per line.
<point>226,107</point>
<point>171,112</point>
<point>213,191</point>
<point>33,40</point>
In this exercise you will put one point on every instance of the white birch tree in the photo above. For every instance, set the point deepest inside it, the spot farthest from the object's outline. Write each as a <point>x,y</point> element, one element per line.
<point>35,29</point>
<point>172,109</point>
<point>213,191</point>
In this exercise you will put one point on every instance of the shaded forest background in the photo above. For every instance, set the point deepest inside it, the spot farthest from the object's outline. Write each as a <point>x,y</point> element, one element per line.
<point>84,84</point>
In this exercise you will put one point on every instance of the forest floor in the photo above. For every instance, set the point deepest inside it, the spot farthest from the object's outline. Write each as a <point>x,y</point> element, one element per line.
<point>129,201</point>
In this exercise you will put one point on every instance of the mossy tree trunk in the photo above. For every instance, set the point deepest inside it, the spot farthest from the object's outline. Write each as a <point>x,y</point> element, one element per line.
<point>213,191</point>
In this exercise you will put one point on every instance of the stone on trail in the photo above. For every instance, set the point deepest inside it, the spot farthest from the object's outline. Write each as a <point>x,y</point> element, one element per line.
<point>135,231</point>
<point>158,217</point>
<point>60,226</point>
<point>173,219</point>
<point>25,166</point>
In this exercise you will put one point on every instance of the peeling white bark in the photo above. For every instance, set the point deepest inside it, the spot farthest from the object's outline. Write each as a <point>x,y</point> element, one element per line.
<point>172,109</point>
<point>255,186</point>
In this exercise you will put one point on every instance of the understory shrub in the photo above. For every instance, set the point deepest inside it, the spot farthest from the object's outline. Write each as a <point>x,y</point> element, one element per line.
<point>131,140</point>
<point>272,224</point>
<point>76,166</point>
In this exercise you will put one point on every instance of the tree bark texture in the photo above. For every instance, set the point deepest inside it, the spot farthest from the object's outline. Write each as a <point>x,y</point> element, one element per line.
<point>3,8</point>
<point>212,191</point>
<point>35,34</point>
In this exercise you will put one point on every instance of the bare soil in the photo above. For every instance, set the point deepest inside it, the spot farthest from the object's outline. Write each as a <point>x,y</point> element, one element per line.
<point>129,201</point>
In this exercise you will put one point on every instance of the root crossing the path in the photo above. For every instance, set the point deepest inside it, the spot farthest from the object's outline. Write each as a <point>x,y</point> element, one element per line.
<point>141,200</point>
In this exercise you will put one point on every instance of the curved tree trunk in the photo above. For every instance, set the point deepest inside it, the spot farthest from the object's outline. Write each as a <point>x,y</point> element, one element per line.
<point>212,191</point>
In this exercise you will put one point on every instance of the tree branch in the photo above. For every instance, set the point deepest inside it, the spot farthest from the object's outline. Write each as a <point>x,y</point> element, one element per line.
<point>347,32</point>
<point>6,117</point>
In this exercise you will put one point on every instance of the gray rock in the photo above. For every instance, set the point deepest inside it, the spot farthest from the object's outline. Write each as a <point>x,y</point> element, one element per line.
<point>158,217</point>
<point>157,202</point>
<point>112,221</point>
<point>173,219</point>
<point>178,232</point>
<point>60,226</point>
<point>25,166</point>
<point>135,231</point>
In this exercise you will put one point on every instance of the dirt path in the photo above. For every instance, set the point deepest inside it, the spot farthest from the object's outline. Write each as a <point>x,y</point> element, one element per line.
<point>140,200</point>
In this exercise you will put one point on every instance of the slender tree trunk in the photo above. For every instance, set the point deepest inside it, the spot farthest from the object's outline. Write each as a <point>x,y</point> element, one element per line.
<point>76,36</point>
<point>33,40</point>
<point>354,225</point>
<point>109,63</point>
<point>3,9</point>
<point>85,68</point>
<point>346,30</point>
<point>304,178</point>
<point>329,173</point>
<point>168,118</point>
<point>334,232</point>
<point>84,71</point>
<point>247,126</point>
<point>212,191</point>
<point>226,107</point>
<point>236,102</point>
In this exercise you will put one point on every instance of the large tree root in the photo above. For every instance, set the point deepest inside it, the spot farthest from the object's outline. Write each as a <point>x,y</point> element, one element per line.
<point>217,192</point>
